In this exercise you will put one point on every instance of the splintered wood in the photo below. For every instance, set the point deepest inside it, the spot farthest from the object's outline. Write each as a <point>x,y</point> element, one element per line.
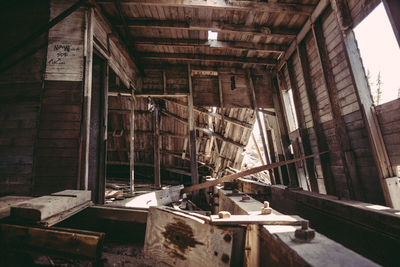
<point>179,239</point>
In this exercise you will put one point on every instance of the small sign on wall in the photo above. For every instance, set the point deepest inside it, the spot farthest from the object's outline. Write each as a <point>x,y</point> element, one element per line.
<point>64,60</point>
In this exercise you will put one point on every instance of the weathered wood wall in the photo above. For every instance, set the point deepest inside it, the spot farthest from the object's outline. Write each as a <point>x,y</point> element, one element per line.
<point>234,83</point>
<point>326,99</point>
<point>57,157</point>
<point>389,120</point>
<point>20,93</point>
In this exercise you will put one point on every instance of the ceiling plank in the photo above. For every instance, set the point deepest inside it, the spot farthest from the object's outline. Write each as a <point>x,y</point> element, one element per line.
<point>209,58</point>
<point>274,7</point>
<point>272,48</point>
<point>215,26</point>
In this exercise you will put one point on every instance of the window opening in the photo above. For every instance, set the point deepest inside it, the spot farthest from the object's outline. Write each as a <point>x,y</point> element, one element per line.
<point>290,110</point>
<point>212,36</point>
<point>380,54</point>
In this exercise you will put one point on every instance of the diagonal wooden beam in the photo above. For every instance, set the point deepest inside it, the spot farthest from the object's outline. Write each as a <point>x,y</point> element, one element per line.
<point>216,26</point>
<point>247,6</point>
<point>234,176</point>
<point>272,48</point>
<point>208,58</point>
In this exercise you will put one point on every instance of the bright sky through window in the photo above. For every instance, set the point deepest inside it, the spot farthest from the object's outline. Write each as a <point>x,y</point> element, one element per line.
<point>212,36</point>
<point>380,52</point>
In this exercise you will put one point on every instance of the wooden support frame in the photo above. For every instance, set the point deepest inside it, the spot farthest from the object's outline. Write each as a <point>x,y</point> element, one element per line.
<point>222,5</point>
<point>189,58</point>
<point>283,128</point>
<point>192,132</point>
<point>262,133</point>
<point>156,146</point>
<point>303,131</point>
<point>132,146</point>
<point>234,176</point>
<point>215,26</point>
<point>85,136</point>
<point>237,45</point>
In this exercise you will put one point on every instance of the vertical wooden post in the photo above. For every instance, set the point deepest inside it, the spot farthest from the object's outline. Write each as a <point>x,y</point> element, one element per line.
<point>165,82</point>
<point>255,106</point>
<point>132,145</point>
<point>303,131</point>
<point>103,137</point>
<point>156,146</point>
<point>192,134</point>
<point>221,103</point>
<point>283,128</point>
<point>88,53</point>
<point>353,58</point>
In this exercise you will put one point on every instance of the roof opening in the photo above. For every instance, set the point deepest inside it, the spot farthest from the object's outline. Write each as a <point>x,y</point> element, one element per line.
<point>212,36</point>
<point>380,54</point>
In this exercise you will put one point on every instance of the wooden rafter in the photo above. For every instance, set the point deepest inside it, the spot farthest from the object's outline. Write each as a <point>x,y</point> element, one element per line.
<point>272,48</point>
<point>208,58</point>
<point>224,5</point>
<point>216,26</point>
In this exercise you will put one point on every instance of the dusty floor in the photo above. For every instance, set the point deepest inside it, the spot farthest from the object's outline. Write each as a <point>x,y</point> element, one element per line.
<point>115,253</point>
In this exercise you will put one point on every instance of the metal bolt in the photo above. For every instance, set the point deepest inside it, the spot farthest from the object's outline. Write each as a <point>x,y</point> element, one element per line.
<point>304,233</point>
<point>305,224</point>
<point>245,197</point>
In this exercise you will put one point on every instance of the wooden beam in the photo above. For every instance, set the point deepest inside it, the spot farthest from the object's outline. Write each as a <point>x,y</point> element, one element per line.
<point>283,129</point>
<point>208,58</point>
<point>53,241</point>
<point>161,95</point>
<point>223,5</point>
<point>322,5</point>
<point>192,132</point>
<point>261,129</point>
<point>215,26</point>
<point>237,45</point>
<point>156,147</point>
<point>300,111</point>
<point>221,101</point>
<point>234,176</point>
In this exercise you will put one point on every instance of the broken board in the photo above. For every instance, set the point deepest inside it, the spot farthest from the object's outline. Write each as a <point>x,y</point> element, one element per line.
<point>179,239</point>
<point>156,198</point>
<point>41,208</point>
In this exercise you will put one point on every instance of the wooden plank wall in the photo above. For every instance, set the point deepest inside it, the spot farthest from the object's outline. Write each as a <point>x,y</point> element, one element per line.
<point>20,92</point>
<point>389,121</point>
<point>359,9</point>
<point>205,88</point>
<point>57,157</point>
<point>350,110</point>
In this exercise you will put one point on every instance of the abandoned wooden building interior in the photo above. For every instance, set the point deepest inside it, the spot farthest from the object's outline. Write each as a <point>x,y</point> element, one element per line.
<point>194,132</point>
